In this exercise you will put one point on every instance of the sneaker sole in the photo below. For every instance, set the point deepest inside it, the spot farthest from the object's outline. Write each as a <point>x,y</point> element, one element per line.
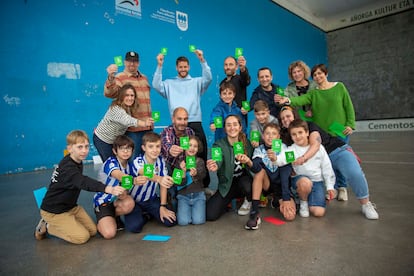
<point>259,221</point>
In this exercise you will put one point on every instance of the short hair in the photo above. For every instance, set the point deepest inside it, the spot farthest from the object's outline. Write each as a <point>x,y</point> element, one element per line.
<point>297,123</point>
<point>233,58</point>
<point>150,137</point>
<point>76,136</point>
<point>227,85</point>
<point>301,65</point>
<point>123,140</point>
<point>260,105</point>
<point>200,145</point>
<point>264,68</point>
<point>182,58</point>
<point>271,125</point>
<point>321,67</point>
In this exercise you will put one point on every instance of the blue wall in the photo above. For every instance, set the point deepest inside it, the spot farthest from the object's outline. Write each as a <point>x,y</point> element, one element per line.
<point>54,55</point>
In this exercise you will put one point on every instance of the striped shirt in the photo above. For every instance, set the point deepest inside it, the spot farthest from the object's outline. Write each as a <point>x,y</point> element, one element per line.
<point>142,87</point>
<point>104,176</point>
<point>141,193</point>
<point>114,123</point>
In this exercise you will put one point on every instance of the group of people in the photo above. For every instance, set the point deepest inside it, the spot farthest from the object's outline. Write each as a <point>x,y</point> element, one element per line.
<point>292,152</point>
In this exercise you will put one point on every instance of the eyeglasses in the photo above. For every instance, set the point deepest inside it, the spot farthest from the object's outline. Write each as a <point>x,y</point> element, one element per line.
<point>125,149</point>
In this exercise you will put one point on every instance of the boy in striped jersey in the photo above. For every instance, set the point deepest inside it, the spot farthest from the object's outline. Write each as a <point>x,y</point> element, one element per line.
<point>108,207</point>
<point>147,203</point>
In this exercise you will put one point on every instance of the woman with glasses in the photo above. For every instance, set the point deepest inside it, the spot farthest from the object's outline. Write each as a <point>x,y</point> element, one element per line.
<point>117,120</point>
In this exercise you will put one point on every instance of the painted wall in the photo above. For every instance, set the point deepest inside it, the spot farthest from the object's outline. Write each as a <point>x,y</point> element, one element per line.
<point>54,55</point>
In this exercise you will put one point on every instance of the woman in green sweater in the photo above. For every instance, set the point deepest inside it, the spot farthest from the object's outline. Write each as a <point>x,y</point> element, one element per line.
<point>330,103</point>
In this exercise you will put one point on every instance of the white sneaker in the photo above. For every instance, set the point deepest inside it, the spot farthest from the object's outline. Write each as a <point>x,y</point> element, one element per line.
<point>342,194</point>
<point>245,208</point>
<point>304,209</point>
<point>369,211</point>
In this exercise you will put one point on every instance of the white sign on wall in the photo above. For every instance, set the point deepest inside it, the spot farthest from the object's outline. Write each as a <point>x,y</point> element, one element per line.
<point>385,125</point>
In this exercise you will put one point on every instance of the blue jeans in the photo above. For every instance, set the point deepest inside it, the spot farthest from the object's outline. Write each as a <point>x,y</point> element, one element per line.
<point>137,138</point>
<point>317,195</point>
<point>135,221</point>
<point>104,149</point>
<point>191,208</point>
<point>345,164</point>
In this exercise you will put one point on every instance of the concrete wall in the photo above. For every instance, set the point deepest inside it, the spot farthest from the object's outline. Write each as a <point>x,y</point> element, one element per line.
<point>54,55</point>
<point>375,60</point>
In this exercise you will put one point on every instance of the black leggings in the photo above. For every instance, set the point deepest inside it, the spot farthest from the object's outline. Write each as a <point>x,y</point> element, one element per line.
<point>217,204</point>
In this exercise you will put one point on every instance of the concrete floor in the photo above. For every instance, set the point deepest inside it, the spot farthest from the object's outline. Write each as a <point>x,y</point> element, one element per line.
<point>343,242</point>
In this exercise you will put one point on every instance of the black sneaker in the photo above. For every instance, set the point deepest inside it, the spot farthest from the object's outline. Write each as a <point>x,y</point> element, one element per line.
<point>253,222</point>
<point>119,224</point>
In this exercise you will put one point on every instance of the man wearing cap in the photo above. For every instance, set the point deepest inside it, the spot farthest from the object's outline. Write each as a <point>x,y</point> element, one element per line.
<point>131,75</point>
<point>185,91</point>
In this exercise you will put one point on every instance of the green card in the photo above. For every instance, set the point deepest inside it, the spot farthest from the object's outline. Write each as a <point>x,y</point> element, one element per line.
<point>164,51</point>
<point>149,170</point>
<point>190,162</point>
<point>290,156</point>
<point>192,48</point>
<point>280,91</point>
<point>127,182</point>
<point>177,176</point>
<point>238,148</point>
<point>216,154</point>
<point>156,116</point>
<point>302,115</point>
<point>218,122</point>
<point>338,129</point>
<point>185,142</point>
<point>118,60</point>
<point>246,105</point>
<point>238,52</point>
<point>255,136</point>
<point>277,145</point>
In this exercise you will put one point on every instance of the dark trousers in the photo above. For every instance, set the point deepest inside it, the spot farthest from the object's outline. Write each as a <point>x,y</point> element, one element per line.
<point>217,204</point>
<point>199,132</point>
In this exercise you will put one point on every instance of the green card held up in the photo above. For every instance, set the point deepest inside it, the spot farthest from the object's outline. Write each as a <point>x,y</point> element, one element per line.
<point>290,156</point>
<point>277,145</point>
<point>338,129</point>
<point>216,154</point>
<point>238,148</point>
<point>246,105</point>
<point>218,122</point>
<point>177,176</point>
<point>190,162</point>
<point>255,136</point>
<point>156,116</point>
<point>238,52</point>
<point>280,91</point>
<point>149,170</point>
<point>118,61</point>
<point>127,182</point>
<point>192,48</point>
<point>302,115</point>
<point>164,51</point>
<point>185,142</point>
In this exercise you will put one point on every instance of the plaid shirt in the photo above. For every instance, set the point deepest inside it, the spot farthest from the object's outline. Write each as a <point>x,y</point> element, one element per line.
<point>170,138</point>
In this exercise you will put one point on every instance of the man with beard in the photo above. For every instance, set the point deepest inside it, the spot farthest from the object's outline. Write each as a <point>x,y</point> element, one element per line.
<point>240,81</point>
<point>185,91</point>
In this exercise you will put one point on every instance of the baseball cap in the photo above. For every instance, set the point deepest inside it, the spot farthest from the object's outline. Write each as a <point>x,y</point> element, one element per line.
<point>132,56</point>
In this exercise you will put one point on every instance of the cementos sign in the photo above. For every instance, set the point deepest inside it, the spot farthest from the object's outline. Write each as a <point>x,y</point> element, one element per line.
<point>386,125</point>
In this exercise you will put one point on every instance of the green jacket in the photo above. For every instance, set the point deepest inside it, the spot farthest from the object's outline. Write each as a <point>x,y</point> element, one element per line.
<point>226,166</point>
